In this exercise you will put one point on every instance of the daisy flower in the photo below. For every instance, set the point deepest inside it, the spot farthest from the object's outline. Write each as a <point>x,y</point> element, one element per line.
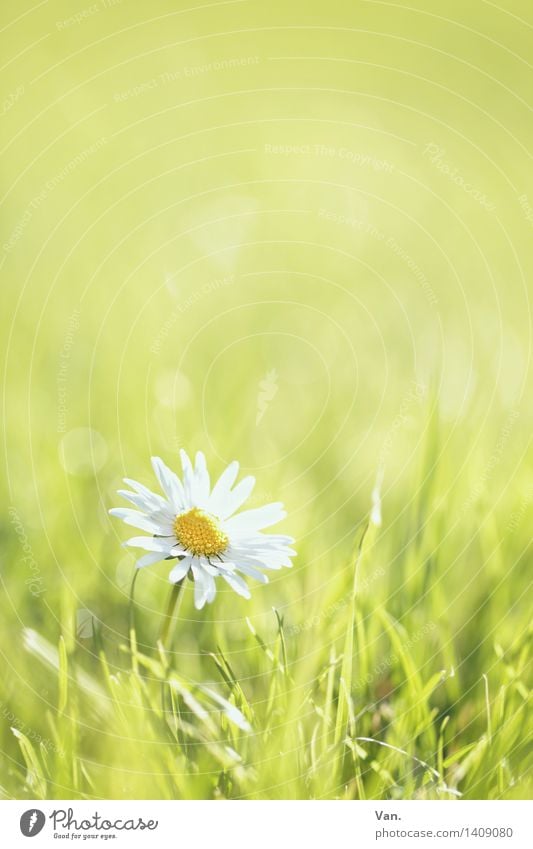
<point>200,527</point>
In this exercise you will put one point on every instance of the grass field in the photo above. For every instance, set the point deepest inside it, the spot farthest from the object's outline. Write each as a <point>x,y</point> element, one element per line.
<point>299,236</point>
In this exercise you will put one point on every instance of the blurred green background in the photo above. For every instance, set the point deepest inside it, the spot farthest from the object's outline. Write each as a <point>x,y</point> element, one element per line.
<point>298,235</point>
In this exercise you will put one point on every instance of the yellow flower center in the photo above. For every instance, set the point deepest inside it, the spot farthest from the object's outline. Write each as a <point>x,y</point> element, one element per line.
<point>200,533</point>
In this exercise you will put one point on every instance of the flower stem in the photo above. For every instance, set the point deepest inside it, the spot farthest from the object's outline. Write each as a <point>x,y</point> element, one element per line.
<point>131,620</point>
<point>169,615</point>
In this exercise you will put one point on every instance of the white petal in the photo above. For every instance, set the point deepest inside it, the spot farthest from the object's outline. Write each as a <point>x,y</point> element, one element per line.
<point>210,568</point>
<point>178,550</point>
<point>156,510</point>
<point>152,500</point>
<point>204,588</point>
<point>225,566</point>
<point>252,572</point>
<point>263,551</point>
<point>201,481</point>
<point>212,591</point>
<point>276,539</point>
<point>222,487</point>
<point>169,482</point>
<point>188,478</point>
<point>255,562</point>
<point>141,520</point>
<point>237,497</point>
<point>163,545</point>
<point>262,560</point>
<point>257,541</point>
<point>138,500</point>
<point>148,559</point>
<point>254,520</point>
<point>179,571</point>
<point>238,584</point>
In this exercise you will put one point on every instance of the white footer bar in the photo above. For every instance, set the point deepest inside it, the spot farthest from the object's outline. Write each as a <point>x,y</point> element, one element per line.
<point>268,825</point>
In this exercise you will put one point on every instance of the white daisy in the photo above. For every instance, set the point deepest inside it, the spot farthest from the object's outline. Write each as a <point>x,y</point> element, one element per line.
<point>199,527</point>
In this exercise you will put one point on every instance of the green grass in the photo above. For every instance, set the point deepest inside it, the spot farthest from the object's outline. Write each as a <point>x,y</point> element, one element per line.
<point>356,689</point>
<point>184,266</point>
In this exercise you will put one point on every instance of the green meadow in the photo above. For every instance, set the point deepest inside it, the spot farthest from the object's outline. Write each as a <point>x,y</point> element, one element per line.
<point>298,236</point>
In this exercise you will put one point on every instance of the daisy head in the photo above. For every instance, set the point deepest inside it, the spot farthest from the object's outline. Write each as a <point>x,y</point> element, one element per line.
<point>202,528</point>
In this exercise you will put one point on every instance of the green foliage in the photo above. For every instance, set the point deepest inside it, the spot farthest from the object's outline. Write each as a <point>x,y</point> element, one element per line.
<point>346,700</point>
